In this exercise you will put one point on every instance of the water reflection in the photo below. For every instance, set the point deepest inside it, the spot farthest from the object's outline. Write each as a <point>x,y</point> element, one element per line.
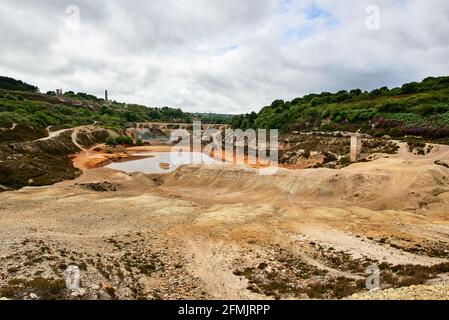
<point>162,162</point>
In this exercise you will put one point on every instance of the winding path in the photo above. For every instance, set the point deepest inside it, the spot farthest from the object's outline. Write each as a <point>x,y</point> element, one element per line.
<point>53,134</point>
<point>75,137</point>
<point>14,125</point>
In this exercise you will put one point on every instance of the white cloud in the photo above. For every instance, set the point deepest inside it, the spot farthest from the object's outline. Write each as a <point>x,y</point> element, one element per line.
<point>222,56</point>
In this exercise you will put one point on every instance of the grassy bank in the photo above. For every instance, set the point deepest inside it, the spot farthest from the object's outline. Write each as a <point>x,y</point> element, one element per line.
<point>416,109</point>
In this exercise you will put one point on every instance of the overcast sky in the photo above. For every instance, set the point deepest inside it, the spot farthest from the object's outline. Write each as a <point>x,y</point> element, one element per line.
<point>225,56</point>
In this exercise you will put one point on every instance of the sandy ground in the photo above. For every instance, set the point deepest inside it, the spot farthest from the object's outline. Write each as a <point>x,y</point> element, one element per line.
<point>228,233</point>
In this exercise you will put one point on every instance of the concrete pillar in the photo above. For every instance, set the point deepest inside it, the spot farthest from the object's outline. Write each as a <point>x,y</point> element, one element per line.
<point>356,147</point>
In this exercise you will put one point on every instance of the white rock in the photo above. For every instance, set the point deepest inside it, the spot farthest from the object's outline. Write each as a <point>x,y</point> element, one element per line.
<point>33,296</point>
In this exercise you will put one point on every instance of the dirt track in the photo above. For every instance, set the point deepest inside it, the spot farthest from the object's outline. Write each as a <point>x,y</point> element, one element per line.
<point>229,233</point>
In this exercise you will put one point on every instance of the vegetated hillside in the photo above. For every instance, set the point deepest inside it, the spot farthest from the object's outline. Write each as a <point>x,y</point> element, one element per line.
<point>13,84</point>
<point>23,107</point>
<point>418,109</point>
<point>214,118</point>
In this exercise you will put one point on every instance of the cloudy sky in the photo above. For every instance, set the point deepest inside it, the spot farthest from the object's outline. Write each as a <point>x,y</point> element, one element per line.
<point>226,56</point>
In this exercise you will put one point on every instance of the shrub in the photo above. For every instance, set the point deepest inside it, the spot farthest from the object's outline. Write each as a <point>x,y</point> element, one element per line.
<point>426,110</point>
<point>412,87</point>
<point>45,289</point>
<point>427,132</point>
<point>110,141</point>
<point>381,122</point>
<point>10,97</point>
<point>396,132</point>
<point>119,140</point>
<point>344,161</point>
<point>8,118</point>
<point>393,107</point>
<point>123,140</point>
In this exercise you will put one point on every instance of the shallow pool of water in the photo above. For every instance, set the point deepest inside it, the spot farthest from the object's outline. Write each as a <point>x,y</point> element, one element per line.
<point>162,162</point>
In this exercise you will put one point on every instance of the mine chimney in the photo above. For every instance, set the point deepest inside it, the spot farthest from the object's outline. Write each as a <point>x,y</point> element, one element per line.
<point>106,96</point>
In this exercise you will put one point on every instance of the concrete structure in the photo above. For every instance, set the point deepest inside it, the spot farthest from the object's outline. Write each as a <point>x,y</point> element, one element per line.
<point>356,147</point>
<point>59,92</point>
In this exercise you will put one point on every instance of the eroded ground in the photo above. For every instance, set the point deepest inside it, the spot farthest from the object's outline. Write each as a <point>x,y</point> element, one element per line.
<point>228,233</point>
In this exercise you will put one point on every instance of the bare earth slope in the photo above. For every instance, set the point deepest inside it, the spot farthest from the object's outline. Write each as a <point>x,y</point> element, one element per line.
<point>45,160</point>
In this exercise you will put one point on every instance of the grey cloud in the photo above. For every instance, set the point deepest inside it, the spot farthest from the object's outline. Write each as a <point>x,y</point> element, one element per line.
<point>221,56</point>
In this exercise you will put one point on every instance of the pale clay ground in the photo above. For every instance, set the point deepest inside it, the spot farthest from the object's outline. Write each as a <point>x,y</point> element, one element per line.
<point>203,223</point>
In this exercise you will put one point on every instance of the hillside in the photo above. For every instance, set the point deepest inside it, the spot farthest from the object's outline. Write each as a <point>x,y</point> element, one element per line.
<point>27,118</point>
<point>35,148</point>
<point>37,111</point>
<point>417,109</point>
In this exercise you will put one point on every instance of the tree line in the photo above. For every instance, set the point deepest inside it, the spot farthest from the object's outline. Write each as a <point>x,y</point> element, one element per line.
<point>416,108</point>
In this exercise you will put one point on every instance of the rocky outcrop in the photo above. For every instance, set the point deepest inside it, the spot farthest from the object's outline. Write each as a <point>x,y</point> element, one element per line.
<point>309,150</point>
<point>163,131</point>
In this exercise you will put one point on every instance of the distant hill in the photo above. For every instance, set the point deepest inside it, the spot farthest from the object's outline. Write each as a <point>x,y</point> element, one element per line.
<point>215,118</point>
<point>417,108</point>
<point>23,105</point>
<point>16,85</point>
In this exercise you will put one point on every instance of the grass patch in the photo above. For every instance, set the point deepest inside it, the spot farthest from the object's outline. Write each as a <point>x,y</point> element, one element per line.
<point>45,289</point>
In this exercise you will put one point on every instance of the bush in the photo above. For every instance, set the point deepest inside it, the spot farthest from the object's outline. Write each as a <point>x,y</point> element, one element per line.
<point>123,140</point>
<point>396,132</point>
<point>8,118</point>
<point>409,88</point>
<point>433,133</point>
<point>426,110</point>
<point>111,141</point>
<point>393,107</point>
<point>10,97</point>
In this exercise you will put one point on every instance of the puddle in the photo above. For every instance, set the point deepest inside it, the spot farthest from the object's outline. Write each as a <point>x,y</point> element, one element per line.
<point>162,162</point>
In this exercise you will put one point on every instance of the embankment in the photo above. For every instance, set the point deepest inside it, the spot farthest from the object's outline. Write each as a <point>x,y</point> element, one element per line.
<point>385,184</point>
<point>43,162</point>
